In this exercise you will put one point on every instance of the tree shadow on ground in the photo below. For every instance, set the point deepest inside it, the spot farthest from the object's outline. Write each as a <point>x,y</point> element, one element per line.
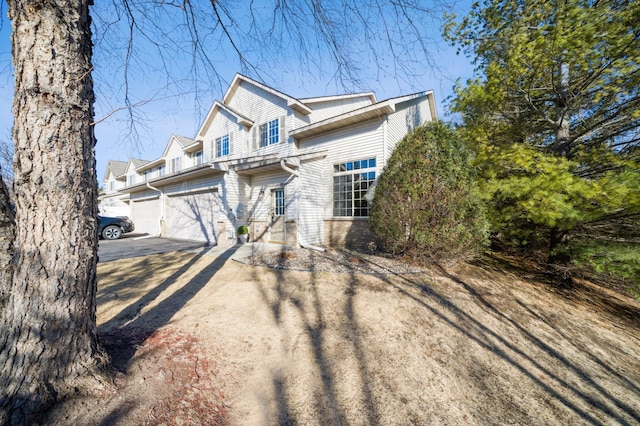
<point>131,327</point>
<point>465,312</point>
<point>306,301</point>
<point>602,402</point>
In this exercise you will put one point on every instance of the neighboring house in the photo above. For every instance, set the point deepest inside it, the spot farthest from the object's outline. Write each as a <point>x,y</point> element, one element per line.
<point>295,171</point>
<point>112,202</point>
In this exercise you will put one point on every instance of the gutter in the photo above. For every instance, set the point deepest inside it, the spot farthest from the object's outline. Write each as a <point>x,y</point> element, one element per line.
<point>301,241</point>
<point>161,217</point>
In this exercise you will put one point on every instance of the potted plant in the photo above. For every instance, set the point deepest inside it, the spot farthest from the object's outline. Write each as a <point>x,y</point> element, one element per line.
<point>243,234</point>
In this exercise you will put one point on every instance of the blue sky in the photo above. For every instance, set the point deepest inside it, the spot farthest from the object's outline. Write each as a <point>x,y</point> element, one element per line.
<point>171,105</point>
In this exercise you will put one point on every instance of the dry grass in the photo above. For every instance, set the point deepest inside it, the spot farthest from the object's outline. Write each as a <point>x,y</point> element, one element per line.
<point>213,341</point>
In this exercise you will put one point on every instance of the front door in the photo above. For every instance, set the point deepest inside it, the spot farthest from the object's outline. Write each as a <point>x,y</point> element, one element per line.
<point>276,223</point>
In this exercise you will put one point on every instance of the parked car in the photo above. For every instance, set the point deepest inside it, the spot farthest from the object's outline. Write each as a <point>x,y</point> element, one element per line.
<point>112,228</point>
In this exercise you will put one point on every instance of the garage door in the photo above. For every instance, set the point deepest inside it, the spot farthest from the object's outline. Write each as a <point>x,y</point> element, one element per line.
<point>193,216</point>
<point>145,214</point>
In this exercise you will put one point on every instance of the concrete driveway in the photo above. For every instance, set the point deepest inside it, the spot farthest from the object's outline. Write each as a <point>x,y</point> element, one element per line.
<point>134,245</point>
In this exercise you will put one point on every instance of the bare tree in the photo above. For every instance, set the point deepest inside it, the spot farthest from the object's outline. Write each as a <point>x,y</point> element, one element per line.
<point>268,41</point>
<point>7,221</point>
<point>6,164</point>
<point>48,342</point>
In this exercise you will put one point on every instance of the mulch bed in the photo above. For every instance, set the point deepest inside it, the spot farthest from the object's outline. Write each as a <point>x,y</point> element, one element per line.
<point>333,260</point>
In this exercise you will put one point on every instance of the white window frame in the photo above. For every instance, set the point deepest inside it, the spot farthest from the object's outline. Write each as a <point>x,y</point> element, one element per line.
<point>270,133</point>
<point>175,164</point>
<point>352,180</point>
<point>278,202</point>
<point>222,146</point>
<point>198,158</point>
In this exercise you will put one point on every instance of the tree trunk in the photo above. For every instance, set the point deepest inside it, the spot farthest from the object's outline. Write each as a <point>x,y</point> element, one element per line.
<point>49,347</point>
<point>562,122</point>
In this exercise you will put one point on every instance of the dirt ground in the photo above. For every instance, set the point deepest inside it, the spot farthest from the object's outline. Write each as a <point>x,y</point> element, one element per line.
<point>204,340</point>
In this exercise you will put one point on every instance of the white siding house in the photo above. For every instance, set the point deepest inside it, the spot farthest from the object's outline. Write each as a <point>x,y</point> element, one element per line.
<point>295,171</point>
<point>111,201</point>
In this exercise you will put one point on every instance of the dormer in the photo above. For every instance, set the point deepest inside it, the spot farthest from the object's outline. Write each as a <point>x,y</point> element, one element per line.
<point>195,153</point>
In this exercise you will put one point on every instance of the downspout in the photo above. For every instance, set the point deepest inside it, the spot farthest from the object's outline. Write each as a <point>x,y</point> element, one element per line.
<point>161,218</point>
<point>301,241</point>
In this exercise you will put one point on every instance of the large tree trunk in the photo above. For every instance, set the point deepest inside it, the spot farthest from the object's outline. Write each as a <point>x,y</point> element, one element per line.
<point>49,347</point>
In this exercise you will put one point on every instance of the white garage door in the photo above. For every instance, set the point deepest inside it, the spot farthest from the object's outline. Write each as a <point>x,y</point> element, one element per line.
<point>145,214</point>
<point>193,216</point>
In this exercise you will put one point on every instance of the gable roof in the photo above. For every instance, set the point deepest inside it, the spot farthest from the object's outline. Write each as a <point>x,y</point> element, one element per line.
<point>135,162</point>
<point>181,140</point>
<point>359,115</point>
<point>117,168</point>
<point>217,106</point>
<point>292,102</point>
<point>138,162</point>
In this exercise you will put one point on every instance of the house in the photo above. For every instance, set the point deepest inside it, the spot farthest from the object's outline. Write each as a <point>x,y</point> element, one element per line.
<point>295,171</point>
<point>112,202</point>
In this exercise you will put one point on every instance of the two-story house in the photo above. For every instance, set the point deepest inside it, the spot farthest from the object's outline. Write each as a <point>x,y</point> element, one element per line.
<point>296,171</point>
<point>112,202</point>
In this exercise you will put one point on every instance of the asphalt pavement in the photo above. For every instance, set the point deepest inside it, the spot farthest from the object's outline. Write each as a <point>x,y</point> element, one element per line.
<point>134,245</point>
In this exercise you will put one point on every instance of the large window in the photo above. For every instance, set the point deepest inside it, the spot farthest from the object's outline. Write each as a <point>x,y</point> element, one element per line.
<point>222,146</point>
<point>351,182</point>
<point>270,133</point>
<point>161,170</point>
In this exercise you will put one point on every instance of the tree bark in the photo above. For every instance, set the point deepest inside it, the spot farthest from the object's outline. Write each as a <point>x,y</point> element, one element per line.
<point>49,347</point>
<point>563,123</point>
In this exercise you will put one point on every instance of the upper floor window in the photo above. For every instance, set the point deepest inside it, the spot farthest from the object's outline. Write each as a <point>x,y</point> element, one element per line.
<point>112,186</point>
<point>161,170</point>
<point>197,158</point>
<point>131,180</point>
<point>145,175</point>
<point>222,146</point>
<point>351,182</point>
<point>270,133</point>
<point>175,164</point>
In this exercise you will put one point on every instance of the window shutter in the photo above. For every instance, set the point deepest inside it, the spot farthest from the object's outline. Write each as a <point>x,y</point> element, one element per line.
<point>282,129</point>
<point>254,133</point>
<point>230,143</point>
